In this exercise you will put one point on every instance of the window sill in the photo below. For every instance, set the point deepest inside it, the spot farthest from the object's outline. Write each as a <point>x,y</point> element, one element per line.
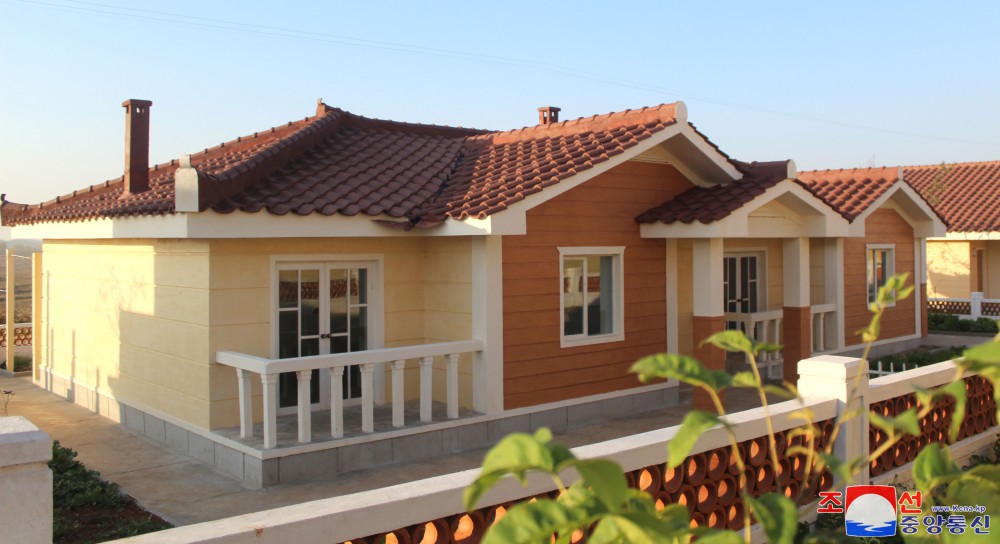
<point>572,342</point>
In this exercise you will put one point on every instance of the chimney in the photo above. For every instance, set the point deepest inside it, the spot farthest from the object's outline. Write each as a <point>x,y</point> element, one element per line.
<point>136,146</point>
<point>548,114</point>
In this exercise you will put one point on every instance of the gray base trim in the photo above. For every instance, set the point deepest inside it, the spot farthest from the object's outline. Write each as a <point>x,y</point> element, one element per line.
<point>339,458</point>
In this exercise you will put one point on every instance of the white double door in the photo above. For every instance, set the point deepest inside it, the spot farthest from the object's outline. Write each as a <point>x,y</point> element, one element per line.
<point>323,308</point>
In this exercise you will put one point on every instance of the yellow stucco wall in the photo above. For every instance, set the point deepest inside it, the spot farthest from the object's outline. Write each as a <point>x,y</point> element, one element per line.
<point>143,319</point>
<point>948,269</point>
<point>131,318</point>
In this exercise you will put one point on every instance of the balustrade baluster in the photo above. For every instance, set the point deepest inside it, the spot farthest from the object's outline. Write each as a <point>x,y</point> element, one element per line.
<point>426,388</point>
<point>270,383</point>
<point>304,407</point>
<point>337,402</point>
<point>246,403</point>
<point>397,393</point>
<point>453,386</point>
<point>368,398</point>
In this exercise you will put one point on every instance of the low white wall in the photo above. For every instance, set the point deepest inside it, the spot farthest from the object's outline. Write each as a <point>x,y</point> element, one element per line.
<point>25,482</point>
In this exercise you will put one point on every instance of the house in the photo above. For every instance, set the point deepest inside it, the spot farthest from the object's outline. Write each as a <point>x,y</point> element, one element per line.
<point>967,195</point>
<point>441,286</point>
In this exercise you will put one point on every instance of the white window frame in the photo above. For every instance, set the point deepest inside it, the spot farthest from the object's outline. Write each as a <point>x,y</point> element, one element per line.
<point>376,308</point>
<point>891,249</point>
<point>618,308</point>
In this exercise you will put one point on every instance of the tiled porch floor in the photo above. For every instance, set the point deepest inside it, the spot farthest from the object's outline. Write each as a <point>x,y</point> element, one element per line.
<point>288,425</point>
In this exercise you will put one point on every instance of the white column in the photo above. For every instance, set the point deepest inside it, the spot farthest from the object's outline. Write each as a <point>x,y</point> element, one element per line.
<point>397,393</point>
<point>10,310</point>
<point>36,315</point>
<point>270,383</point>
<point>834,377</point>
<point>304,407</point>
<point>796,272</point>
<point>975,307</point>
<point>487,324</point>
<point>707,275</point>
<point>337,402</point>
<point>368,397</point>
<point>673,314</point>
<point>920,277</point>
<point>833,284</point>
<point>246,403</point>
<point>426,387</point>
<point>452,383</point>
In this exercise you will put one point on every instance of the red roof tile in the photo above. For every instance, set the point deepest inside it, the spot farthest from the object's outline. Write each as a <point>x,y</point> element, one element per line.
<point>965,195</point>
<point>709,204</point>
<point>340,163</point>
<point>849,191</point>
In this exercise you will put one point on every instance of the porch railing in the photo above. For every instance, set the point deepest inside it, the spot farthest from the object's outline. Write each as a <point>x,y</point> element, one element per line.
<point>762,327</point>
<point>823,316</point>
<point>974,307</point>
<point>270,369</point>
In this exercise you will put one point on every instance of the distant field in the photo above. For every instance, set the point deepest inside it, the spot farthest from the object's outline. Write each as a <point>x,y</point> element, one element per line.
<point>22,286</point>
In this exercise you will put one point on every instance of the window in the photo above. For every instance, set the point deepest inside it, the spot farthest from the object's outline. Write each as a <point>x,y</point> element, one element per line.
<point>880,267</point>
<point>592,296</point>
<point>323,307</point>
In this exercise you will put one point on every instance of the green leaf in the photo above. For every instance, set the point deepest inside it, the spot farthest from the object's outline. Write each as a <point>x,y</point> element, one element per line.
<point>676,517</point>
<point>607,481</point>
<point>779,391</point>
<point>745,379</point>
<point>843,470</point>
<point>933,467</point>
<point>978,486</point>
<point>695,423</point>
<point>777,514</point>
<point>718,536</point>
<point>731,341</point>
<point>681,368</point>
<point>516,454</point>
<point>957,390</point>
<point>907,422</point>
<point>535,522</point>
<point>636,528</point>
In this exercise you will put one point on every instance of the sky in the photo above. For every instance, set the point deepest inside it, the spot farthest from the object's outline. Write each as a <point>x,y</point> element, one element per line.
<point>828,84</point>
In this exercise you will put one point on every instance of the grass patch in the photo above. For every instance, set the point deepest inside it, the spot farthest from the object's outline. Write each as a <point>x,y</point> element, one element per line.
<point>88,509</point>
<point>953,323</point>
<point>22,363</point>
<point>916,358</point>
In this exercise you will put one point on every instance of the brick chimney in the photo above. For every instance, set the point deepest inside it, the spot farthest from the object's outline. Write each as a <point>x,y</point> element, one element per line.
<point>548,114</point>
<point>136,146</point>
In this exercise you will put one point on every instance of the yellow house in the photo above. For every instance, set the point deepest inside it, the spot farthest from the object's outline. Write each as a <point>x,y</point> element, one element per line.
<point>340,291</point>
<point>967,195</point>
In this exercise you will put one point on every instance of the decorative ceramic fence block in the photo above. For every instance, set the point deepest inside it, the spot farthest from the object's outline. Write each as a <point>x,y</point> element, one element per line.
<point>22,335</point>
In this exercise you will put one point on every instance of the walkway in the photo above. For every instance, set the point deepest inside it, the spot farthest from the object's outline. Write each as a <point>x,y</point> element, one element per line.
<point>184,491</point>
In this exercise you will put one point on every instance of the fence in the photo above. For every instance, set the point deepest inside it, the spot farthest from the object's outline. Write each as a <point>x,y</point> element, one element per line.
<point>430,510</point>
<point>22,335</point>
<point>969,308</point>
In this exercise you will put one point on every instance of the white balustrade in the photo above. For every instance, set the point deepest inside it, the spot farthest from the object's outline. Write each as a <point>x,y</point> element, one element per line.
<point>823,320</point>
<point>368,362</point>
<point>762,327</point>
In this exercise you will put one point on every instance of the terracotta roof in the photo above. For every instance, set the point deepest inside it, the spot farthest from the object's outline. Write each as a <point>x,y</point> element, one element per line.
<point>965,195</point>
<point>341,163</point>
<point>849,191</point>
<point>709,204</point>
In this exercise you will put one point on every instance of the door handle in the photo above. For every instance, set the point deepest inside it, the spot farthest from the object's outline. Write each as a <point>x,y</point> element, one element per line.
<point>326,336</point>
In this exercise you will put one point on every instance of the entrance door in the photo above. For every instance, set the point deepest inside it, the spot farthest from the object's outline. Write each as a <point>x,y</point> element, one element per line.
<point>323,308</point>
<point>741,283</point>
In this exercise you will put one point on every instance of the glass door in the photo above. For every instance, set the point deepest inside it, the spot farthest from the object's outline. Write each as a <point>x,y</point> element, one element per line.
<point>323,308</point>
<point>741,284</point>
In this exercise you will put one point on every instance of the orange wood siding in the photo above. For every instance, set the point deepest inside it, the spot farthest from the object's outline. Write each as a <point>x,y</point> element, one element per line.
<point>601,212</point>
<point>884,226</point>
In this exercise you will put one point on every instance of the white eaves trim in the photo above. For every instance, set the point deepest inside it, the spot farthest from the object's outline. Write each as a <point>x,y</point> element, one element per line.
<point>968,236</point>
<point>911,206</point>
<point>821,221</point>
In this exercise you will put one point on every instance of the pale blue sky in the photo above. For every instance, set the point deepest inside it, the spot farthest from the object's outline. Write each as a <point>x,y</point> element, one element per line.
<point>764,81</point>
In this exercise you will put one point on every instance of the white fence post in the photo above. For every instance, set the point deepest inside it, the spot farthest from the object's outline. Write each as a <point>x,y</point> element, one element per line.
<point>845,379</point>
<point>25,482</point>
<point>976,305</point>
<point>11,318</point>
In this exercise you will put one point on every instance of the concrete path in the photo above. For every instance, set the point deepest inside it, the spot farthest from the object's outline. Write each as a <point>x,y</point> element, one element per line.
<point>184,491</point>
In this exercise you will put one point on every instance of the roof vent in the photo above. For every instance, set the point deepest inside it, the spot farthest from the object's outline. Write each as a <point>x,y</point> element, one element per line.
<point>136,146</point>
<point>547,115</point>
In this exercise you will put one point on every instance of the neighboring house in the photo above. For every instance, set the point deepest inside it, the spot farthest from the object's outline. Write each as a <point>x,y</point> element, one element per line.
<point>516,275</point>
<point>967,195</point>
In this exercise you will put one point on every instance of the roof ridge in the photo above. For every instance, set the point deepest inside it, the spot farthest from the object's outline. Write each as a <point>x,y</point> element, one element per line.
<point>562,128</point>
<point>954,164</point>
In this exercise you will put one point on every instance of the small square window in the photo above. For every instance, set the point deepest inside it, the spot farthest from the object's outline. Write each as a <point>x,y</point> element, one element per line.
<point>591,295</point>
<point>880,265</point>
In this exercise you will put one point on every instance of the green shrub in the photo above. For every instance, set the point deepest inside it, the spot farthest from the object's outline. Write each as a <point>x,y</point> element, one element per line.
<point>953,323</point>
<point>74,485</point>
<point>22,363</point>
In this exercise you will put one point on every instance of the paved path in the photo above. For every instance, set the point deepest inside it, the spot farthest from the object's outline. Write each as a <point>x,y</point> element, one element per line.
<point>184,491</point>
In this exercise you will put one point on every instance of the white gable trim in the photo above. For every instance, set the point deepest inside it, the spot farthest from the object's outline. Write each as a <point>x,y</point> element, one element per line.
<point>825,223</point>
<point>911,206</point>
